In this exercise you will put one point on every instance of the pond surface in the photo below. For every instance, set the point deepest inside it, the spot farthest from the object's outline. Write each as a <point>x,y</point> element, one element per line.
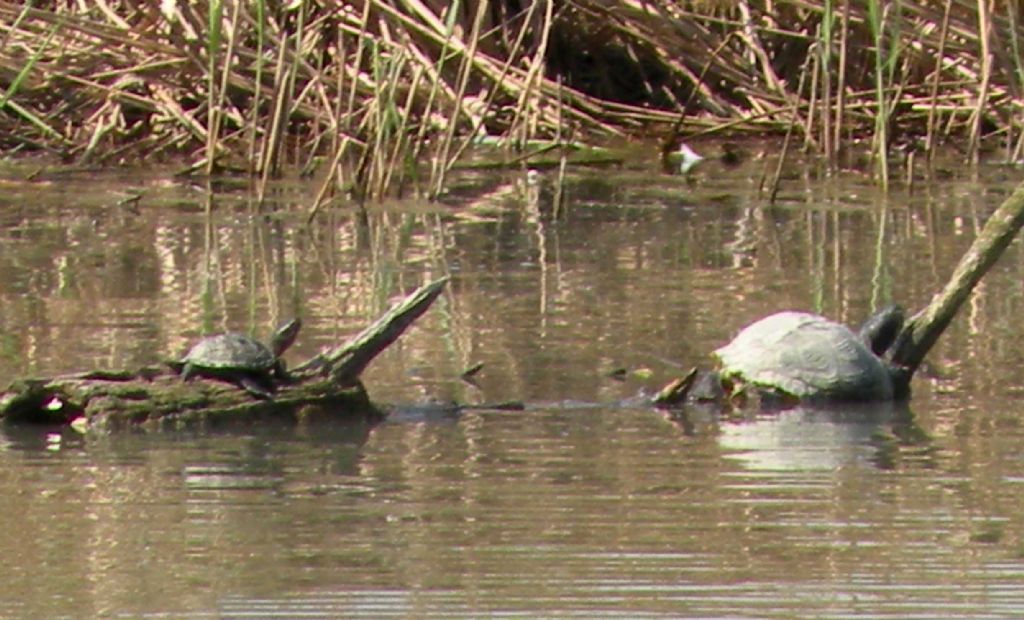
<point>579,506</point>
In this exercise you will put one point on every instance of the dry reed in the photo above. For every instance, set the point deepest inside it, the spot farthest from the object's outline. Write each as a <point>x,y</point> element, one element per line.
<point>367,93</point>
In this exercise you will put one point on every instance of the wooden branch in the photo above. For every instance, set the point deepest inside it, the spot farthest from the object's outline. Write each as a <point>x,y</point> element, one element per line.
<point>924,328</point>
<point>155,397</point>
<point>348,361</point>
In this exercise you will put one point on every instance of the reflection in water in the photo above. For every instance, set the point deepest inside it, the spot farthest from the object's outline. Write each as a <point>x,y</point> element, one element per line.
<point>807,438</point>
<point>555,511</point>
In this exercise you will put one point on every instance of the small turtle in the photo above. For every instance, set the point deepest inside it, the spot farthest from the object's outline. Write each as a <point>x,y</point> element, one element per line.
<point>241,360</point>
<point>809,357</point>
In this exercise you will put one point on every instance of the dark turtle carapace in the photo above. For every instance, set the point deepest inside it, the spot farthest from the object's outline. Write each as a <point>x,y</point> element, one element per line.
<point>242,360</point>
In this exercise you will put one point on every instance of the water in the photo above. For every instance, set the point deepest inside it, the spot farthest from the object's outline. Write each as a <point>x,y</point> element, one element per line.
<point>575,507</point>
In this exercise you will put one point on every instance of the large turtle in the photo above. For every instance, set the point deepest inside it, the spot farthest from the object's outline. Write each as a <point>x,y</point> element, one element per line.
<point>242,360</point>
<point>808,357</point>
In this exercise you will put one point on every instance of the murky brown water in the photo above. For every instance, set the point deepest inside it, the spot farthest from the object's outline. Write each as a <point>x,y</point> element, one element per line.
<point>570,508</point>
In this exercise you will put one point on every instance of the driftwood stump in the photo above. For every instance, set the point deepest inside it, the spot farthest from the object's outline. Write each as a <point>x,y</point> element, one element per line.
<point>155,397</point>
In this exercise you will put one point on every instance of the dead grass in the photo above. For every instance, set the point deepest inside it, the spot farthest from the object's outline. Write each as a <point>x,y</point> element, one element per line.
<point>377,96</point>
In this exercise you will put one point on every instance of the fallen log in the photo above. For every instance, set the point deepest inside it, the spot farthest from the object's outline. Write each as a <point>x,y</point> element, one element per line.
<point>155,397</point>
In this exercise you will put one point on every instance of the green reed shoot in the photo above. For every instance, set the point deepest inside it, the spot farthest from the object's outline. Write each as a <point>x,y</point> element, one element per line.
<point>840,106</point>
<point>828,20</point>
<point>876,17</point>
<point>6,99</point>
<point>213,42</point>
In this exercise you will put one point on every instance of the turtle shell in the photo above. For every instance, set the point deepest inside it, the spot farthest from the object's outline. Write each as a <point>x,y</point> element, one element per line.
<point>231,352</point>
<point>806,356</point>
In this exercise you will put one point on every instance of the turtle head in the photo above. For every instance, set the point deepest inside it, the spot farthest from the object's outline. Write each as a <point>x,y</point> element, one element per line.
<point>880,330</point>
<point>285,336</point>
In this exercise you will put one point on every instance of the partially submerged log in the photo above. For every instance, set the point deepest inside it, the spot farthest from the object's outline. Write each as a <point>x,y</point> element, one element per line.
<point>326,385</point>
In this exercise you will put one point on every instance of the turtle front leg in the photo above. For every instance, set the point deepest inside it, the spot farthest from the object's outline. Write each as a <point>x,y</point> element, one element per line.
<point>280,373</point>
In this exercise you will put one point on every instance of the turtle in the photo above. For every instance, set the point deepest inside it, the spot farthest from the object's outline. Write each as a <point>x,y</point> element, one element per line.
<point>241,360</point>
<point>807,357</point>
